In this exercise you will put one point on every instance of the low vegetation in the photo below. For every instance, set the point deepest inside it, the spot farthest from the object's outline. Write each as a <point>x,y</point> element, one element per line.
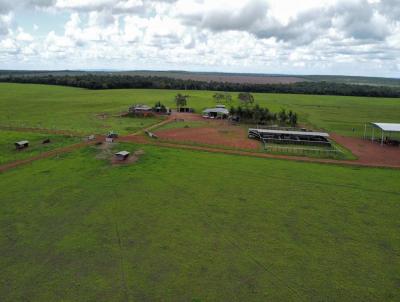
<point>238,228</point>
<point>64,108</point>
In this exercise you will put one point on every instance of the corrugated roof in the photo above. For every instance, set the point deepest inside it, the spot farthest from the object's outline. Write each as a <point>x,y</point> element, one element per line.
<point>122,153</point>
<point>302,133</point>
<point>22,142</point>
<point>217,110</point>
<point>391,127</point>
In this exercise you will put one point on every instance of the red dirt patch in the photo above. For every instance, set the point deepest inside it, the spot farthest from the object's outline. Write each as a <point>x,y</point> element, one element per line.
<point>369,152</point>
<point>218,134</point>
<point>186,116</point>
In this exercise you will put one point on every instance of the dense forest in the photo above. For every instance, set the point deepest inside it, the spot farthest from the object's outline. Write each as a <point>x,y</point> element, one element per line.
<point>110,81</point>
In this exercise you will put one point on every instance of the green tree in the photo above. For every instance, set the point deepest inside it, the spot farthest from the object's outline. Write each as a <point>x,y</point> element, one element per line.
<point>232,111</point>
<point>293,120</point>
<point>218,97</point>
<point>181,100</point>
<point>228,98</point>
<point>282,116</point>
<point>246,98</point>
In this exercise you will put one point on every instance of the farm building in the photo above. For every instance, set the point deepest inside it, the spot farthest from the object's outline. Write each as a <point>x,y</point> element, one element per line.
<point>139,109</point>
<point>387,131</point>
<point>122,155</point>
<point>276,136</point>
<point>218,112</point>
<point>21,145</point>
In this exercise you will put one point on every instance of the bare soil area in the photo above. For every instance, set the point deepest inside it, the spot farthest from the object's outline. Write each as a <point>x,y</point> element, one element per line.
<point>369,152</point>
<point>218,133</point>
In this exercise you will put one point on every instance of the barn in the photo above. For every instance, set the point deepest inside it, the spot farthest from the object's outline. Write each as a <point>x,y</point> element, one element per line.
<point>218,112</point>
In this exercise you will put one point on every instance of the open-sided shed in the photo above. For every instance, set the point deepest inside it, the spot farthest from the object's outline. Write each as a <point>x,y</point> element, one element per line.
<point>386,131</point>
<point>122,155</point>
<point>21,145</point>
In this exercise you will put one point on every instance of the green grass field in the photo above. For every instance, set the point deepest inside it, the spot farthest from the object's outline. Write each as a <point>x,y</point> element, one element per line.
<point>8,153</point>
<point>185,225</point>
<point>195,226</point>
<point>77,109</point>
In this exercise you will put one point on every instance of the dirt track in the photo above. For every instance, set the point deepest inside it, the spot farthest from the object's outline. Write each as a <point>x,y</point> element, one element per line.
<point>43,155</point>
<point>370,152</point>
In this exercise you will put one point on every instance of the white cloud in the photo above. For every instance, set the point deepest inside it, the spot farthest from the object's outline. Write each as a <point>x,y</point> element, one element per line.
<point>274,36</point>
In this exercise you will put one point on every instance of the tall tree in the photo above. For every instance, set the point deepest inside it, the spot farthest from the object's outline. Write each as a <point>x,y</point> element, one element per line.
<point>282,116</point>
<point>246,98</point>
<point>181,100</point>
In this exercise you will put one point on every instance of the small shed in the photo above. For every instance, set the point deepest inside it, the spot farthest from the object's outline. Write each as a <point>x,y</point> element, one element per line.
<point>122,155</point>
<point>21,145</point>
<point>109,140</point>
<point>112,134</point>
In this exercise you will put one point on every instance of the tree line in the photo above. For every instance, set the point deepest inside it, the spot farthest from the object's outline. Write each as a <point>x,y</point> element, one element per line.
<point>107,81</point>
<point>262,115</point>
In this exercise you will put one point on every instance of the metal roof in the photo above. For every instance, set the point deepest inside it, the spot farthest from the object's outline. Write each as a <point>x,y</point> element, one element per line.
<point>122,153</point>
<point>217,110</point>
<point>390,127</point>
<point>302,133</point>
<point>22,142</point>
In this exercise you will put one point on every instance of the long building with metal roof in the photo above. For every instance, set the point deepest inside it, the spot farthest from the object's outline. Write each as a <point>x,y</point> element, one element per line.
<point>290,137</point>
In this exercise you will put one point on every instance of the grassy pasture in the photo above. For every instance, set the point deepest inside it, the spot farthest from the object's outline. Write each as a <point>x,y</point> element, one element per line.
<point>77,109</point>
<point>194,226</point>
<point>8,138</point>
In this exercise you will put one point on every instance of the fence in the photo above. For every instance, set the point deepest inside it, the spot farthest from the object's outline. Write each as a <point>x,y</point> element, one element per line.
<point>314,152</point>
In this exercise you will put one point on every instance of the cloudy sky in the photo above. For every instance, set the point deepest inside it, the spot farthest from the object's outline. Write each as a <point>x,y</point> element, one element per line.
<point>352,37</point>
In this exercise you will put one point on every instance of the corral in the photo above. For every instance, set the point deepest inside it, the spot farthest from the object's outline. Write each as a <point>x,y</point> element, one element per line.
<point>275,136</point>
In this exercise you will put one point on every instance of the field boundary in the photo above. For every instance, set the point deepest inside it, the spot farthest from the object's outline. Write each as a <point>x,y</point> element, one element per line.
<point>15,164</point>
<point>43,130</point>
<point>264,155</point>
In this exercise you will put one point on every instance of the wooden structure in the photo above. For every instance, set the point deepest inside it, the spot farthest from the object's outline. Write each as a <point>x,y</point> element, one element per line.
<point>21,145</point>
<point>122,155</point>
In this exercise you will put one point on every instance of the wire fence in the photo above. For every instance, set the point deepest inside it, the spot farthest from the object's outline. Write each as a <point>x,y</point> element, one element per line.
<point>313,152</point>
